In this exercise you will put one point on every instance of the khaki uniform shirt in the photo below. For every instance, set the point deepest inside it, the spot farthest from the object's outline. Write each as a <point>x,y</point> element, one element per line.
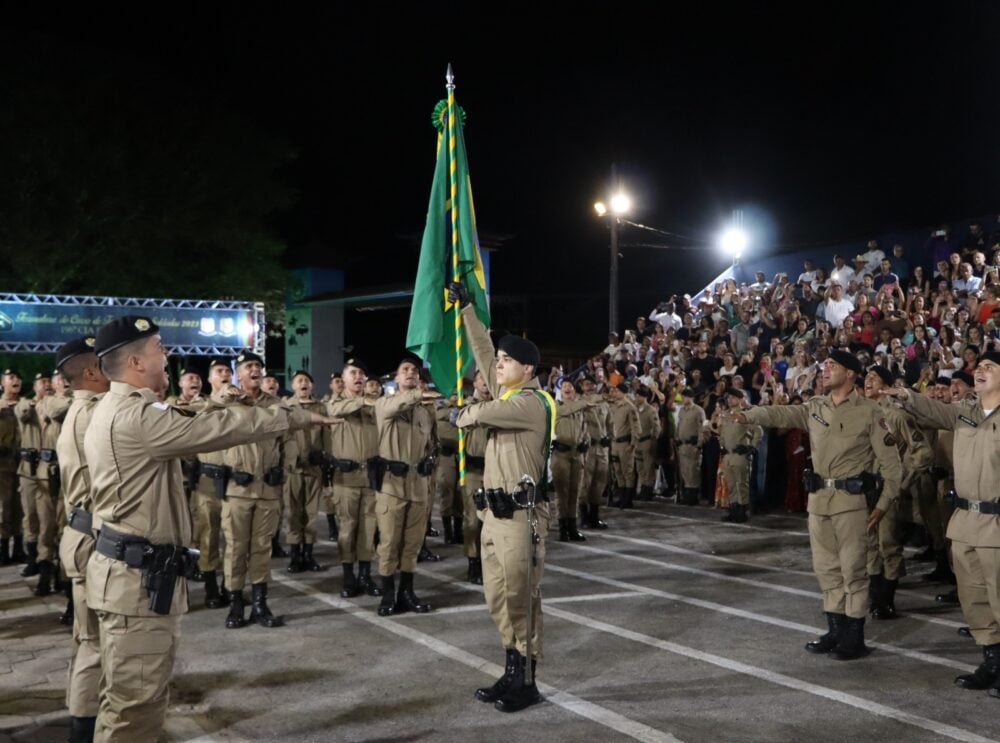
<point>842,439</point>
<point>133,447</point>
<point>356,438</point>
<point>447,434</point>
<point>624,421</point>
<point>255,458</point>
<point>914,450</point>
<point>405,434</point>
<point>597,418</point>
<point>570,426</point>
<point>977,463</point>
<point>30,422</point>
<point>10,436</point>
<point>300,443</point>
<point>649,421</point>
<point>517,435</point>
<point>691,424</point>
<point>73,469</point>
<point>732,434</point>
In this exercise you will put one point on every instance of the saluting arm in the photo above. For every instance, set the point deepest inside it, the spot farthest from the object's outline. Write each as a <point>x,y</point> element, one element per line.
<point>515,413</point>
<point>347,406</point>
<point>482,348</point>
<point>932,413</point>
<point>396,405</point>
<point>889,464</point>
<point>779,416</point>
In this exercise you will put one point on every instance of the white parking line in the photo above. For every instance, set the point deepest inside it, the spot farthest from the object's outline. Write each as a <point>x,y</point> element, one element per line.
<point>569,702</point>
<point>720,524</point>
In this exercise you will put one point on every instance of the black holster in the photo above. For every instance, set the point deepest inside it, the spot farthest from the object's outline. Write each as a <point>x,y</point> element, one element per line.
<point>192,473</point>
<point>220,474</point>
<point>426,466</point>
<point>32,458</point>
<point>316,458</point>
<point>164,565</point>
<point>54,482</point>
<point>376,473</point>
<point>274,476</point>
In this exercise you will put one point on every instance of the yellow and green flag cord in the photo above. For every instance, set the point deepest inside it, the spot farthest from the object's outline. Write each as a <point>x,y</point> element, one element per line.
<point>456,276</point>
<point>550,412</point>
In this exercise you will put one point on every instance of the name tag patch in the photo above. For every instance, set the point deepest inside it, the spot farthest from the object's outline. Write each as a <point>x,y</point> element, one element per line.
<point>969,421</point>
<point>817,418</point>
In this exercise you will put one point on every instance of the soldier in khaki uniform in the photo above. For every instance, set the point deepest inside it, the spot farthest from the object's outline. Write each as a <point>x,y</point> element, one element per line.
<point>475,465</point>
<point>942,475</point>
<point>847,433</point>
<point>690,439</point>
<point>78,364</point>
<point>352,447</point>
<point>133,446</point>
<point>304,460</point>
<point>568,449</point>
<point>251,511</point>
<point>37,504</point>
<point>625,433</point>
<point>330,504</point>
<point>56,407</point>
<point>738,442</point>
<point>519,419</point>
<point>594,479</point>
<point>446,474</point>
<point>10,445</point>
<point>974,529</point>
<point>402,501</point>
<point>645,448</point>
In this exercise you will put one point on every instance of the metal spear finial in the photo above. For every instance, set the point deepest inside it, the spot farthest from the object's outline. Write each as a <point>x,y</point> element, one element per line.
<point>450,77</point>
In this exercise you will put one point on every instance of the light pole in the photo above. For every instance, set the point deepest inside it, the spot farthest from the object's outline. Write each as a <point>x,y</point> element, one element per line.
<point>619,204</point>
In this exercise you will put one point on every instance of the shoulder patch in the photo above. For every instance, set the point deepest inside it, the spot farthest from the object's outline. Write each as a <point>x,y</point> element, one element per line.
<point>889,440</point>
<point>917,436</point>
<point>160,406</point>
<point>884,423</point>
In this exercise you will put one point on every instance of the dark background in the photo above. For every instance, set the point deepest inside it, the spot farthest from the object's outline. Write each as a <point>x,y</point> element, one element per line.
<point>824,123</point>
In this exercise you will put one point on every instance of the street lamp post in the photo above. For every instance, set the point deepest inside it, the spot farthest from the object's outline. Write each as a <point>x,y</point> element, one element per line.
<point>618,205</point>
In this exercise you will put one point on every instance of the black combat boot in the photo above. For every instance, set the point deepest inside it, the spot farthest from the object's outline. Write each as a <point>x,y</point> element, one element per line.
<point>425,555</point>
<point>520,694</point>
<point>886,608</point>
<point>618,496</point>
<point>66,617</point>
<point>645,492</point>
<point>17,551</point>
<point>730,517</point>
<point>458,528</point>
<point>475,571</point>
<point>44,587</point>
<point>296,565</point>
<point>365,579</point>
<point>449,534</point>
<point>988,672</point>
<point>309,562</point>
<point>406,599</point>
<point>874,592</point>
<point>851,641</point>
<point>574,533</point>
<point>276,549</point>
<point>951,597</point>
<point>595,518</point>
<point>942,572</point>
<point>827,642</point>
<point>81,729</point>
<point>213,599</point>
<point>431,531</point>
<point>563,530</point>
<point>331,522</point>
<point>5,558</point>
<point>57,576</point>
<point>197,577</point>
<point>928,555</point>
<point>31,565</point>
<point>351,587</point>
<point>628,494</point>
<point>259,612</point>
<point>493,693</point>
<point>387,606</point>
<point>235,620</point>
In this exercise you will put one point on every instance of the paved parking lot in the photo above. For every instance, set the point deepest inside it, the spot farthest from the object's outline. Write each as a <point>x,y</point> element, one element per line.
<point>670,626</point>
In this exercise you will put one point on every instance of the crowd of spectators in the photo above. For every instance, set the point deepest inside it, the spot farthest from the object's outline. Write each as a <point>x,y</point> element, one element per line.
<point>924,319</point>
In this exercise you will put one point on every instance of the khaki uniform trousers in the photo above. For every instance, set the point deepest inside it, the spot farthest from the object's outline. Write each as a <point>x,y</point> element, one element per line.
<point>567,469</point>
<point>137,658</point>
<point>945,506</point>
<point>356,514</point>
<point>401,525</point>
<point>839,548</point>
<point>925,493</point>
<point>505,548</point>
<point>472,527</point>
<point>446,487</point>
<point>977,571</point>
<point>84,677</point>
<point>645,463</point>
<point>885,551</point>
<point>206,514</point>
<point>249,524</point>
<point>10,507</point>
<point>623,465</point>
<point>736,470</point>
<point>302,508</point>
<point>689,463</point>
<point>594,477</point>
<point>39,522</point>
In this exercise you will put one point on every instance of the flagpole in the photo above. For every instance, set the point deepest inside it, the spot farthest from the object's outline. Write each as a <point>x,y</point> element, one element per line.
<point>452,180</point>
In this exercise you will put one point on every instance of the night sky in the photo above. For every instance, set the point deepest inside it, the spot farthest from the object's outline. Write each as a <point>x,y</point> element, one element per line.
<point>823,123</point>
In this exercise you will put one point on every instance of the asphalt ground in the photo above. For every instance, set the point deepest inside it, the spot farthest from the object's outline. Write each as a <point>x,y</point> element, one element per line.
<point>670,626</point>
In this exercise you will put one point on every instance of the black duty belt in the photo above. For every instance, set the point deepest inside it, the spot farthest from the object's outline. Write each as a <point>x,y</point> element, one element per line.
<point>741,449</point>
<point>448,451</point>
<point>131,549</point>
<point>6,451</point>
<point>974,506</point>
<point>939,473</point>
<point>623,440</point>
<point>501,503</point>
<point>857,485</point>
<point>562,446</point>
<point>475,462</point>
<point>583,447</point>
<point>48,455</point>
<point>81,521</point>
<point>644,438</point>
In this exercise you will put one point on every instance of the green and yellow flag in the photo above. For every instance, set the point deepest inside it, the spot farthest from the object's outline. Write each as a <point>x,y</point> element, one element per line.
<point>449,251</point>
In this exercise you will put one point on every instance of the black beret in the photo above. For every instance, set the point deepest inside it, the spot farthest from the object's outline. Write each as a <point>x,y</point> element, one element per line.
<point>76,347</point>
<point>12,373</point>
<point>688,392</point>
<point>733,392</point>
<point>962,376</point>
<point>846,360</point>
<point>357,364</point>
<point>622,386</point>
<point>644,392</point>
<point>247,357</point>
<point>520,349</point>
<point>188,370</point>
<point>993,356</point>
<point>122,331</point>
<point>588,378</point>
<point>410,358</point>
<point>304,373</point>
<point>220,361</point>
<point>942,380</point>
<point>884,374</point>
